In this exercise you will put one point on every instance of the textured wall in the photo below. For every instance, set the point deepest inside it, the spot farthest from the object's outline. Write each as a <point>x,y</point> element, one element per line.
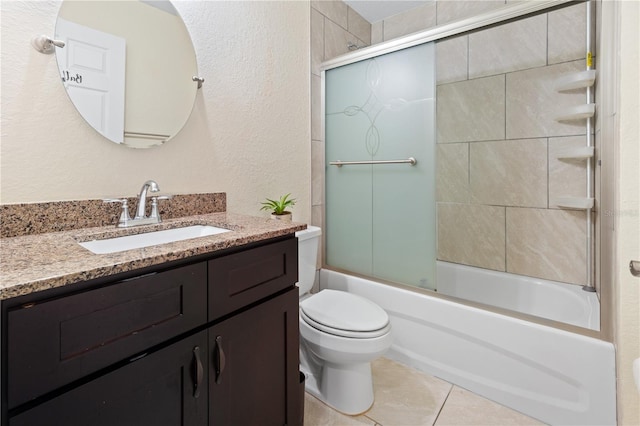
<point>248,135</point>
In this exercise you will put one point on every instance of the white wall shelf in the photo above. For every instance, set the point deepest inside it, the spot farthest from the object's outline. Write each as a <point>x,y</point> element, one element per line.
<point>577,80</point>
<point>577,153</point>
<point>579,112</point>
<point>579,203</point>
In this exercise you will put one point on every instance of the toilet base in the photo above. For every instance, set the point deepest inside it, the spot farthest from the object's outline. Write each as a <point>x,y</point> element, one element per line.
<point>347,388</point>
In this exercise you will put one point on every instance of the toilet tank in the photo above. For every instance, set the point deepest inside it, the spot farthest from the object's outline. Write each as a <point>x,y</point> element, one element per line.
<point>308,242</point>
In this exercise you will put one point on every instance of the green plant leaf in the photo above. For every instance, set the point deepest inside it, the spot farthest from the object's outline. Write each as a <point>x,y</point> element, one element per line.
<point>278,206</point>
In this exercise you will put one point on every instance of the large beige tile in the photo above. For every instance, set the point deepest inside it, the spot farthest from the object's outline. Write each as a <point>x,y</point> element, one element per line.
<point>464,408</point>
<point>472,234</point>
<point>509,173</point>
<point>358,26</point>
<point>377,35</point>
<point>317,172</point>
<point>317,219</point>
<point>471,110</point>
<point>567,34</point>
<point>416,19</point>
<point>452,172</point>
<point>449,11</point>
<point>317,41</point>
<point>451,60</point>
<point>510,47</point>
<point>334,10</point>
<point>336,40</point>
<point>316,413</point>
<point>567,177</point>
<point>533,103</point>
<point>549,244</point>
<point>404,396</point>
<point>316,107</point>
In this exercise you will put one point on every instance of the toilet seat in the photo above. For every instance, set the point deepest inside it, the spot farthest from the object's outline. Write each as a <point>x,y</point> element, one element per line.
<point>344,314</point>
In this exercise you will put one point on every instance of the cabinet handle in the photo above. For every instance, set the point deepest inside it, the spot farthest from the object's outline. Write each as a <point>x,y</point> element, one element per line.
<point>220,360</point>
<point>198,372</point>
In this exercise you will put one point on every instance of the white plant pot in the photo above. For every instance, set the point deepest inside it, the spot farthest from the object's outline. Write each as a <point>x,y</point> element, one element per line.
<point>286,216</point>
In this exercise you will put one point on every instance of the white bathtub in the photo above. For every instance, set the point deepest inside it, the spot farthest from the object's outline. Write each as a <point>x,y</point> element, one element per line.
<point>555,376</point>
<point>534,296</point>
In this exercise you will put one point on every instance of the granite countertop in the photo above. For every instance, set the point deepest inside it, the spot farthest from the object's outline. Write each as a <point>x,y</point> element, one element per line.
<point>34,263</point>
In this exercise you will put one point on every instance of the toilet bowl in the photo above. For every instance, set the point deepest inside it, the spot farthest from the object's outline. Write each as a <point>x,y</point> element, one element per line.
<point>340,334</point>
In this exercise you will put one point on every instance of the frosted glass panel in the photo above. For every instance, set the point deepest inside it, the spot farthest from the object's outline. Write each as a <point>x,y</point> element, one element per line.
<point>380,219</point>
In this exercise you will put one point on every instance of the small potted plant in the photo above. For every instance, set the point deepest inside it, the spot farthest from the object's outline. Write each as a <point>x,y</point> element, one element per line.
<point>278,208</point>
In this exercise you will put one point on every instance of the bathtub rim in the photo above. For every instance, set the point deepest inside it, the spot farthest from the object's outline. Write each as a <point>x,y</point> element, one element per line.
<point>489,308</point>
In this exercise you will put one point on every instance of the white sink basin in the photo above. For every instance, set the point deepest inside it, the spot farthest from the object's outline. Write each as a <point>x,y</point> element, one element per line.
<point>129,242</point>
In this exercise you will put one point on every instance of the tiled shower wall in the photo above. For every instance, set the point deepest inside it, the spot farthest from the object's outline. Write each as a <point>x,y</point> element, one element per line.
<point>497,138</point>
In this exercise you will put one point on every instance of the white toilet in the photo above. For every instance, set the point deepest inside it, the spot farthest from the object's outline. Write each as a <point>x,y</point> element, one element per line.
<point>340,334</point>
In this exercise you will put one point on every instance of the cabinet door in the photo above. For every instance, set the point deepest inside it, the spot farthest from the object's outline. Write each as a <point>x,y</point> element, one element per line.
<point>254,365</point>
<point>158,389</point>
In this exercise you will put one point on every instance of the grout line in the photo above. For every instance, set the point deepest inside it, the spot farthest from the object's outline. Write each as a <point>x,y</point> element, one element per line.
<point>443,404</point>
<point>506,238</point>
<point>547,33</point>
<point>548,174</point>
<point>505,107</point>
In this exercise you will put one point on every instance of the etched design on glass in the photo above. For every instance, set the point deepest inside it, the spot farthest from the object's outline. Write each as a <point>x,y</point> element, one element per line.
<point>373,106</point>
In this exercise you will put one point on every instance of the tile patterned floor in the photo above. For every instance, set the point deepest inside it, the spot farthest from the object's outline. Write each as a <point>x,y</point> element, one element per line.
<point>406,397</point>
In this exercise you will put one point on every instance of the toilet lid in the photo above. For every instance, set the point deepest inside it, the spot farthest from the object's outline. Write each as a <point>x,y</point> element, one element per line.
<point>344,314</point>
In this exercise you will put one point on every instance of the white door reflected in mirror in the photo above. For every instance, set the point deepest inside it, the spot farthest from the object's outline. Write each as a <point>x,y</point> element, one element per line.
<point>159,63</point>
<point>92,67</point>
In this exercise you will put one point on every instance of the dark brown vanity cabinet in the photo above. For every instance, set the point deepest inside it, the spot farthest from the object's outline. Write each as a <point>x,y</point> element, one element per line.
<point>213,342</point>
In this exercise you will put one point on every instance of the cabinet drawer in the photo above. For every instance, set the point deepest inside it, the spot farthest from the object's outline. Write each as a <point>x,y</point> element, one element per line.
<point>240,279</point>
<point>55,342</point>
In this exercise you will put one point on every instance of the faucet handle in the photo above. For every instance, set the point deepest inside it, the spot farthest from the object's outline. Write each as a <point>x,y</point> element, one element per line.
<point>154,206</point>
<point>124,215</point>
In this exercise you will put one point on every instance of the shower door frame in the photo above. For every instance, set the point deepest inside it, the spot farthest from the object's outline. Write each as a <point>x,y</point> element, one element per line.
<point>482,21</point>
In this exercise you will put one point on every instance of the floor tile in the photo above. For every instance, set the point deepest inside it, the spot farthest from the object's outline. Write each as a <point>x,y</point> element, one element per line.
<point>466,408</point>
<point>316,413</point>
<point>404,396</point>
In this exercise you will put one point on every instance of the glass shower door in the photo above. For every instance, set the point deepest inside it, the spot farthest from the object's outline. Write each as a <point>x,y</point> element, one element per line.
<point>380,217</point>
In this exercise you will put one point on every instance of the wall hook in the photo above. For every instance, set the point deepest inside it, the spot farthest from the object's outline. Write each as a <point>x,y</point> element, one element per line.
<point>44,44</point>
<point>200,80</point>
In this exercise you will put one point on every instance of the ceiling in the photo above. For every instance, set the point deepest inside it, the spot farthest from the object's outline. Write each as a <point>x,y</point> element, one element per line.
<point>377,10</point>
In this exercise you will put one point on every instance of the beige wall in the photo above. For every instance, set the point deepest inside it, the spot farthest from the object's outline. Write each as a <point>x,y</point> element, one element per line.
<point>248,135</point>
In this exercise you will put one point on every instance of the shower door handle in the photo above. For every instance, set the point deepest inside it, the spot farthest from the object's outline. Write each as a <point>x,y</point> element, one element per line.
<point>634,267</point>
<point>340,163</point>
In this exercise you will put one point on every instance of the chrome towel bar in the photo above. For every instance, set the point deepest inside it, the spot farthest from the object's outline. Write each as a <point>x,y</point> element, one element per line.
<point>339,163</point>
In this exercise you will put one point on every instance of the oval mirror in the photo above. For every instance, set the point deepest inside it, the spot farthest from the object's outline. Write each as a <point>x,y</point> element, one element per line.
<point>128,67</point>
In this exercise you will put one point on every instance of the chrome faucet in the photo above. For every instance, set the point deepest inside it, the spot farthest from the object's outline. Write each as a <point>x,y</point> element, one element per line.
<point>142,199</point>
<point>140,218</point>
